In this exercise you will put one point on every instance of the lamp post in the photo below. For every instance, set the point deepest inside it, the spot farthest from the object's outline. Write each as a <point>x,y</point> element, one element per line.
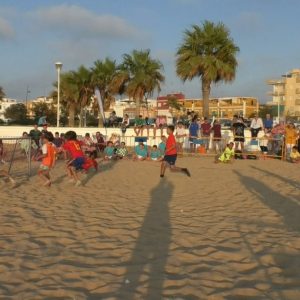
<point>58,66</point>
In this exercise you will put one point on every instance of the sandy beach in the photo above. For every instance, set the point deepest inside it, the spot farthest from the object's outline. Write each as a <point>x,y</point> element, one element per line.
<point>228,232</point>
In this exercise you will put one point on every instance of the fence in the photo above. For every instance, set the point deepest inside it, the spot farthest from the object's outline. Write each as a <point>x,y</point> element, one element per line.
<point>245,147</point>
<point>15,155</point>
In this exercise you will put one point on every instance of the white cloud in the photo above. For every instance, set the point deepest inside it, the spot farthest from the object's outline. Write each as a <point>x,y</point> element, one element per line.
<point>6,30</point>
<point>81,22</point>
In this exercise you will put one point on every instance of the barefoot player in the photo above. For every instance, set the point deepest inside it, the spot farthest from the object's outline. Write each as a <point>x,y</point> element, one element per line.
<point>171,155</point>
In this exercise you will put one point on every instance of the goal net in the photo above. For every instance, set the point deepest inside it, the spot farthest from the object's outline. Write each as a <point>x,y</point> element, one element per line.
<point>15,156</point>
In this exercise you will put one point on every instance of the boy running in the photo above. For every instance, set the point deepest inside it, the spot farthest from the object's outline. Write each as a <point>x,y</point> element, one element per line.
<point>48,158</point>
<point>171,155</point>
<point>73,147</point>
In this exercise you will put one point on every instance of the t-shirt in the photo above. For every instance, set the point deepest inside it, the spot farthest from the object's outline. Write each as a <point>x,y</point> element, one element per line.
<point>48,150</point>
<point>109,151</point>
<point>217,131</point>
<point>155,154</point>
<point>139,122</point>
<point>122,152</point>
<point>239,129</point>
<point>256,123</point>
<point>58,142</point>
<point>295,155</point>
<point>180,131</point>
<point>268,123</point>
<point>193,129</point>
<point>205,127</point>
<point>35,134</point>
<point>74,148</point>
<point>227,154</point>
<point>141,152</point>
<point>171,143</point>
<point>162,148</point>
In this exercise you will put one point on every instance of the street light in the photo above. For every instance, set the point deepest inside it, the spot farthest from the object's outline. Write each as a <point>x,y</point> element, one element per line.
<point>58,66</point>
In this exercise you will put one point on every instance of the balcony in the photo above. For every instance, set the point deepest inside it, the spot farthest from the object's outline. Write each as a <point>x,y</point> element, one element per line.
<point>276,82</point>
<point>276,94</point>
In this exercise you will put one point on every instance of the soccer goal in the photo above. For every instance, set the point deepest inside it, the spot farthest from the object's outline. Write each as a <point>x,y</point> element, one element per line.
<point>15,156</point>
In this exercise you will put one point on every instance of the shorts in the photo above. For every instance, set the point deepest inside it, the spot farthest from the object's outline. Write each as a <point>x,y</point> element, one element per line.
<point>77,163</point>
<point>255,131</point>
<point>239,139</point>
<point>170,159</point>
<point>141,157</point>
<point>154,158</point>
<point>44,168</point>
<point>192,140</point>
<point>180,140</point>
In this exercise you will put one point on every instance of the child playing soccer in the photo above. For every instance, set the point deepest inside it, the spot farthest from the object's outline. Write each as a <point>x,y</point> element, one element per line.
<point>171,155</point>
<point>73,147</point>
<point>227,155</point>
<point>48,158</point>
<point>90,163</point>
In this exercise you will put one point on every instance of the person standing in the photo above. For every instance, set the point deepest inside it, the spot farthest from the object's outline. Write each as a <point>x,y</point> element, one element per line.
<point>239,133</point>
<point>256,126</point>
<point>217,136</point>
<point>35,134</point>
<point>193,133</point>
<point>268,123</point>
<point>170,157</point>
<point>205,132</point>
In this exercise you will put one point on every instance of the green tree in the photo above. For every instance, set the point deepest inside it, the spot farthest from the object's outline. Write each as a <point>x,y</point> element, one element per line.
<point>173,103</point>
<point>139,76</point>
<point>82,80</point>
<point>103,77</point>
<point>208,52</point>
<point>44,109</point>
<point>17,113</point>
<point>2,93</point>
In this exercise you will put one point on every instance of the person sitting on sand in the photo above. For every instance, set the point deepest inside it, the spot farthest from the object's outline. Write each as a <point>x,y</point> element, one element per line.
<point>48,158</point>
<point>295,155</point>
<point>115,139</point>
<point>154,154</point>
<point>109,151</point>
<point>122,151</point>
<point>75,164</point>
<point>89,145</point>
<point>162,146</point>
<point>227,155</point>
<point>141,152</point>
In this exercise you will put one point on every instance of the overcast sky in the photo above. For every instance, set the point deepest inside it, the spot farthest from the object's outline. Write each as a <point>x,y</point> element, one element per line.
<point>34,34</point>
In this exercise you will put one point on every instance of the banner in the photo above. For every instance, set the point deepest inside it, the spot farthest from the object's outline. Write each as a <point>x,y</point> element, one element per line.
<point>100,103</point>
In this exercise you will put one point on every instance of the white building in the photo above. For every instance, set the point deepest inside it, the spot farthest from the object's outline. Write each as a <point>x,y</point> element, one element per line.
<point>4,104</point>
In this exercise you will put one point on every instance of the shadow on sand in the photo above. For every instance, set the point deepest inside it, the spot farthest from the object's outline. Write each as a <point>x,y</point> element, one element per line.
<point>286,206</point>
<point>150,253</point>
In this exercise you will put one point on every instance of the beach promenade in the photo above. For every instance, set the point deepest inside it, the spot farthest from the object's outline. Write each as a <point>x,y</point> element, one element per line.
<point>228,232</point>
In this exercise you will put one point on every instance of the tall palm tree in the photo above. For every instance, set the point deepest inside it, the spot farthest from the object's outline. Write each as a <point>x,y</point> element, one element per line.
<point>2,93</point>
<point>208,52</point>
<point>139,76</point>
<point>82,79</point>
<point>103,75</point>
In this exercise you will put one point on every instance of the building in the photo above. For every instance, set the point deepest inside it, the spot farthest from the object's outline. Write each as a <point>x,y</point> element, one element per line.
<point>219,107</point>
<point>286,93</point>
<point>4,104</point>
<point>30,104</point>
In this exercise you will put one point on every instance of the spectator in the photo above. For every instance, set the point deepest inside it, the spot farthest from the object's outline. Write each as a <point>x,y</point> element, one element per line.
<point>205,132</point>
<point>180,136</point>
<point>88,145</point>
<point>35,134</point>
<point>100,141</point>
<point>295,155</point>
<point>217,136</point>
<point>113,119</point>
<point>141,152</point>
<point>193,134</point>
<point>291,136</point>
<point>138,125</point>
<point>122,151</point>
<point>268,123</point>
<point>125,124</point>
<point>239,133</point>
<point>256,126</point>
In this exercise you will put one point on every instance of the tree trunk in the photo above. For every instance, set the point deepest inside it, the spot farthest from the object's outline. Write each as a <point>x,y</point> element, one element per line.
<point>205,95</point>
<point>138,106</point>
<point>71,122</point>
<point>100,121</point>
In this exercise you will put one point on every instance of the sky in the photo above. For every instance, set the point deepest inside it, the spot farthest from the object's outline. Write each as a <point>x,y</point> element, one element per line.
<point>34,34</point>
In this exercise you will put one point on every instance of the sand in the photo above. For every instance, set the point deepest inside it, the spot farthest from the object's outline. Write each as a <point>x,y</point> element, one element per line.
<point>229,232</point>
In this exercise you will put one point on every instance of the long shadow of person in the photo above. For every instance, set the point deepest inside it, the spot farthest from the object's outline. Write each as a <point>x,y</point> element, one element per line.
<point>286,206</point>
<point>150,254</point>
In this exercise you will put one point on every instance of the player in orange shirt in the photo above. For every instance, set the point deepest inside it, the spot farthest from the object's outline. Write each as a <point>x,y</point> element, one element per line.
<point>48,158</point>
<point>171,155</point>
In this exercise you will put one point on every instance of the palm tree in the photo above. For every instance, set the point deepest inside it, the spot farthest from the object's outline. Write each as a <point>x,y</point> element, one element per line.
<point>82,79</point>
<point>208,52</point>
<point>2,93</point>
<point>139,76</point>
<point>103,75</point>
